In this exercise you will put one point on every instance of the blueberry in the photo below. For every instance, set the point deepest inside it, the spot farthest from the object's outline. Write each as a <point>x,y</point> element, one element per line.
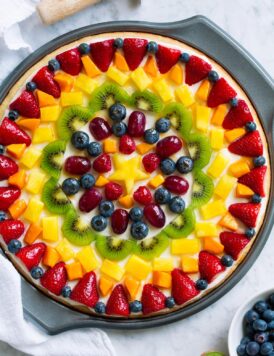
<point>100,308</point>
<point>2,149</point>
<point>259,161</point>
<point>250,126</point>
<point>13,115</point>
<point>170,302</point>
<point>270,325</point>
<point>66,291</point>
<point>260,306</point>
<point>177,205</point>
<point>213,76</point>
<point>250,232</point>
<point>259,325</point>
<point>241,350</point>
<point>84,48</point>
<point>119,129</point>
<point>94,149</point>
<point>234,102</point>
<point>106,208</point>
<point>227,261</point>
<point>251,315</point>
<point>70,186</point>
<point>167,166</point>
<point>201,284</point>
<point>249,331</point>
<point>268,315</point>
<point>80,140</point>
<point>14,246</point>
<point>252,348</point>
<point>162,196</point>
<point>245,340</point>
<point>184,164</point>
<point>136,214</point>
<point>266,348</point>
<point>54,65</point>
<point>31,86</point>
<point>87,181</point>
<point>256,198</point>
<point>118,42</point>
<point>271,299</point>
<point>261,337</point>
<point>3,215</point>
<point>184,57</point>
<point>139,230</point>
<point>98,223</point>
<point>135,306</point>
<point>117,112</point>
<point>152,47</point>
<point>162,125</point>
<point>36,272</point>
<point>151,136</point>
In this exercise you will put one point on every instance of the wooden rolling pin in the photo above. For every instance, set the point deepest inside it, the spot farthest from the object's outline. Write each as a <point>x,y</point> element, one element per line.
<point>52,11</point>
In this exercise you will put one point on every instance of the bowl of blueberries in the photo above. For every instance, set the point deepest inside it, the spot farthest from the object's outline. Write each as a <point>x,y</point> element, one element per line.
<point>252,329</point>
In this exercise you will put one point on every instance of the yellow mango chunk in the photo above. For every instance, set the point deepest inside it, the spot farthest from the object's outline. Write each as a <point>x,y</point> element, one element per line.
<point>143,148</point>
<point>85,83</point>
<point>101,181</point>
<point>161,279</point>
<point>29,124</point>
<point>184,95</point>
<point>140,78</point>
<point>51,257</point>
<point>151,66</point>
<point>126,201</point>
<point>65,81</point>
<point>218,165</point>
<point>45,99</point>
<point>217,138</point>
<point>30,157</point>
<point>203,229</point>
<point>89,66</point>
<point>229,222</point>
<point>43,134</point>
<point>105,286</point>
<point>18,179</point>
<point>117,75</point>
<point>190,264</point>
<point>120,62</point>
<point>137,267</point>
<point>112,269</point>
<point>242,191</point>
<point>49,113</point>
<point>132,286</point>
<point>50,228</point>
<point>110,145</point>
<point>32,234</point>
<point>212,209</point>
<point>87,258</point>
<point>233,135</point>
<point>74,271</point>
<point>202,117</point>
<point>185,246</point>
<point>34,210</point>
<point>219,115</point>
<point>176,74</point>
<point>239,168</point>
<point>17,208</point>
<point>163,90</point>
<point>213,246</point>
<point>16,150</point>
<point>203,90</point>
<point>65,250</point>
<point>163,264</point>
<point>72,98</point>
<point>156,181</point>
<point>35,182</point>
<point>224,186</point>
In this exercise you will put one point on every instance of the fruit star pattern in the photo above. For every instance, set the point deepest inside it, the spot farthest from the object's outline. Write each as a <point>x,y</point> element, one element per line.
<point>92,157</point>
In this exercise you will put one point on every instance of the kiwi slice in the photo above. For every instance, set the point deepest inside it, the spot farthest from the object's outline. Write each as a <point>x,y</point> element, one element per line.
<point>106,95</point>
<point>71,120</point>
<point>202,189</point>
<point>77,231</point>
<point>180,118</point>
<point>146,100</point>
<point>199,150</point>
<point>114,248</point>
<point>152,246</point>
<point>182,225</point>
<point>52,158</point>
<point>54,198</point>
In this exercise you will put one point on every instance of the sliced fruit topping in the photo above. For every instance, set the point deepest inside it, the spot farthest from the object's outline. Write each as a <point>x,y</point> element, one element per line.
<point>117,303</point>
<point>209,266</point>
<point>99,128</point>
<point>52,158</point>
<point>168,146</point>
<point>220,93</point>
<point>246,212</point>
<point>8,195</point>
<point>143,195</point>
<point>255,180</point>
<point>119,221</point>
<point>176,184</point>
<point>90,200</point>
<point>181,226</point>
<point>102,54</point>
<point>146,100</point>
<point>199,150</point>
<point>202,189</point>
<point>54,198</point>
<point>85,291</point>
<point>155,215</point>
<point>183,287</point>
<point>11,133</point>
<point>196,70</point>
<point>237,116</point>
<point>134,51</point>
<point>114,248</point>
<point>7,167</point>
<point>152,247</point>
<point>152,299</point>
<point>166,58</point>
<point>26,104</point>
<point>70,61</point>
<point>113,191</point>
<point>151,162</point>
<point>77,165</point>
<point>180,118</point>
<point>233,243</point>
<point>11,229</point>
<point>44,80</point>
<point>102,164</point>
<point>55,278</point>
<point>136,124</point>
<point>127,145</point>
<point>248,145</point>
<point>31,255</point>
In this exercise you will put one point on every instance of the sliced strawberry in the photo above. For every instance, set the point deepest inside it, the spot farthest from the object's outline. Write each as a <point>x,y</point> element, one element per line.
<point>196,70</point>
<point>44,80</point>
<point>26,104</point>
<point>166,58</point>
<point>11,133</point>
<point>183,287</point>
<point>151,162</point>
<point>117,303</point>
<point>248,145</point>
<point>127,145</point>
<point>102,163</point>
<point>152,299</point>
<point>85,291</point>
<point>237,116</point>
<point>102,54</point>
<point>143,195</point>
<point>11,229</point>
<point>233,243</point>
<point>7,167</point>
<point>55,278</point>
<point>113,191</point>
<point>209,265</point>
<point>8,195</point>
<point>70,61</point>
<point>134,51</point>
<point>220,93</point>
<point>246,212</point>
<point>255,180</point>
<point>31,255</point>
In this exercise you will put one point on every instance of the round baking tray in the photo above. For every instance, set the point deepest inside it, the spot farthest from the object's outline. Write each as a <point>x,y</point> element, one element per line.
<point>204,35</point>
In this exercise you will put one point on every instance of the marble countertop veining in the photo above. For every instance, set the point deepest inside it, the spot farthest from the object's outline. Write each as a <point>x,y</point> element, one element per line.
<point>250,22</point>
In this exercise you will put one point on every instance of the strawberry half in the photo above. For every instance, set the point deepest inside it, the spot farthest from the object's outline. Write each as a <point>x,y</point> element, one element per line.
<point>26,104</point>
<point>31,255</point>
<point>166,58</point>
<point>183,287</point>
<point>255,180</point>
<point>102,163</point>
<point>151,162</point>
<point>44,80</point>
<point>70,61</point>
<point>233,243</point>
<point>220,93</point>
<point>196,70</point>
<point>127,145</point>
<point>246,212</point>
<point>117,303</point>
<point>237,116</point>
<point>102,54</point>
<point>8,195</point>
<point>209,266</point>
<point>134,51</point>
<point>11,133</point>
<point>11,229</point>
<point>248,145</point>
<point>143,195</point>
<point>55,278</point>
<point>113,191</point>
<point>85,291</point>
<point>7,167</point>
<point>152,299</point>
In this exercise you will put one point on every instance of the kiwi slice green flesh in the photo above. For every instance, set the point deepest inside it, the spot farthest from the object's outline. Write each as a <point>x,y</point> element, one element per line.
<point>52,158</point>
<point>114,248</point>
<point>146,100</point>
<point>152,247</point>
<point>180,118</point>
<point>182,225</point>
<point>202,189</point>
<point>71,120</point>
<point>77,231</point>
<point>199,150</point>
<point>54,198</point>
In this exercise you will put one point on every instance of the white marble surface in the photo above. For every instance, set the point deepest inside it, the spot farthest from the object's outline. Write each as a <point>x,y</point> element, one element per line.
<point>251,22</point>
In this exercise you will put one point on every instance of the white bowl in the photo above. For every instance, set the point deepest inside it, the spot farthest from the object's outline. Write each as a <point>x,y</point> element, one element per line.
<point>235,333</point>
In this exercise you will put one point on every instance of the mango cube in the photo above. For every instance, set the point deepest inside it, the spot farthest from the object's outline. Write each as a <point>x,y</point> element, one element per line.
<point>242,191</point>
<point>190,264</point>
<point>163,90</point>
<point>29,124</point>
<point>71,98</point>
<point>89,66</point>
<point>203,91</point>
<point>33,211</point>
<point>161,279</point>
<point>213,246</point>
<point>163,264</point>
<point>17,208</point>
<point>151,66</point>
<point>32,233</point>
<point>30,157</point>
<point>229,222</point>
<point>43,134</point>
<point>202,115</point>
<point>110,145</point>
<point>18,179</point>
<point>239,168</point>
<point>137,267</point>
<point>185,246</point>
<point>156,181</point>
<point>87,258</point>
<point>74,271</point>
<point>120,62</point>
<point>85,83</point>
<point>126,201</point>
<point>35,182</point>
<point>49,113</point>
<point>112,269</point>
<point>105,286</point>
<point>219,115</point>
<point>218,165</point>
<point>51,257</point>
<point>16,150</point>
<point>184,95</point>
<point>65,81</point>
<point>64,249</point>
<point>45,99</point>
<point>101,181</point>
<point>224,186</point>
<point>143,148</point>
<point>176,74</point>
<point>132,286</point>
<point>233,135</point>
<point>213,209</point>
<point>117,76</point>
<point>203,229</point>
<point>217,138</point>
<point>50,228</point>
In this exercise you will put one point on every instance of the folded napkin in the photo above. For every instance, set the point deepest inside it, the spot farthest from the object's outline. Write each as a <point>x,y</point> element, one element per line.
<point>24,336</point>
